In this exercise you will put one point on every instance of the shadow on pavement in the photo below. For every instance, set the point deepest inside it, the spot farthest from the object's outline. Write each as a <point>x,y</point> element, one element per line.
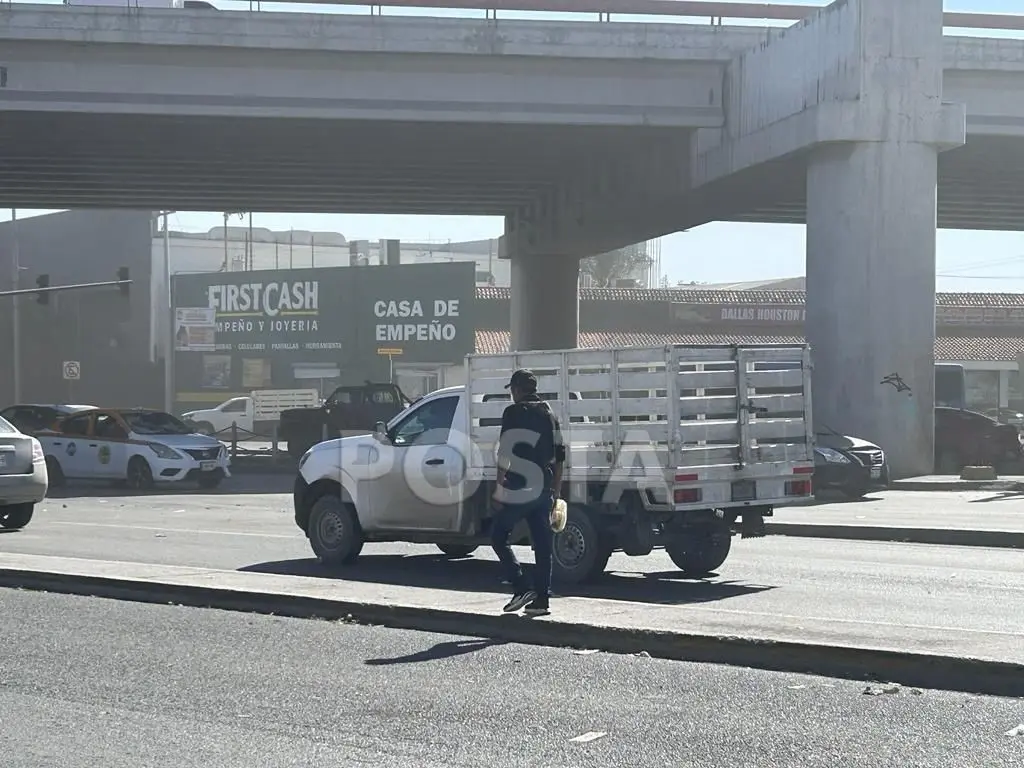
<point>473,575</point>
<point>236,485</point>
<point>1001,496</point>
<point>437,652</point>
<point>835,497</point>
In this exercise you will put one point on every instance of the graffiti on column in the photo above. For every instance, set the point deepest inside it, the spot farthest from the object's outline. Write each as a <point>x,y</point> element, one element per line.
<point>897,383</point>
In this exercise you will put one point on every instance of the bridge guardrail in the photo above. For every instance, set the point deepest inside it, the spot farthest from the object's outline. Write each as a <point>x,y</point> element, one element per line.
<point>605,10</point>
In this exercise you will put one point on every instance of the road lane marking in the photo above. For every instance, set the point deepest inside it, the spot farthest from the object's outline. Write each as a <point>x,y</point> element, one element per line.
<point>174,530</point>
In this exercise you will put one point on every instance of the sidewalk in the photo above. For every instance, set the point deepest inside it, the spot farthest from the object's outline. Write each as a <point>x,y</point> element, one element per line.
<point>954,483</point>
<point>954,655</point>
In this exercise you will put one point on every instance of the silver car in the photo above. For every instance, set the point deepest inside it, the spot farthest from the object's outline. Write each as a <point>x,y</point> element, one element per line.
<point>23,480</point>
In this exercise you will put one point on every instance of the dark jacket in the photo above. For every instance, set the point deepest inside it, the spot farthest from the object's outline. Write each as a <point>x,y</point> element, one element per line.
<point>530,445</point>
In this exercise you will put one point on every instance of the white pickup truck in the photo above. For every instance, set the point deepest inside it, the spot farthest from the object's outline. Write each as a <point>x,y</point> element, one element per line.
<point>678,446</point>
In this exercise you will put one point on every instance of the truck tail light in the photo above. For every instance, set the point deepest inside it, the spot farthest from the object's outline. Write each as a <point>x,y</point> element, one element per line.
<point>802,486</point>
<point>687,495</point>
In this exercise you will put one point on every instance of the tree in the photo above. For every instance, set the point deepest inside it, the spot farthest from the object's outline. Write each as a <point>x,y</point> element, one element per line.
<point>606,268</point>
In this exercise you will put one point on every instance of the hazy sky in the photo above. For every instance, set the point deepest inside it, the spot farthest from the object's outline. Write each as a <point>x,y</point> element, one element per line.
<point>966,260</point>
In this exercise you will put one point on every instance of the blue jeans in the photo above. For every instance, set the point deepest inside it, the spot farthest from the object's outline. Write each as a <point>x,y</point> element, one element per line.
<point>538,518</point>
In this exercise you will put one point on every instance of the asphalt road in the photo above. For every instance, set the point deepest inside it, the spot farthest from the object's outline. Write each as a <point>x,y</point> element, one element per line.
<point>877,593</point>
<point>89,682</point>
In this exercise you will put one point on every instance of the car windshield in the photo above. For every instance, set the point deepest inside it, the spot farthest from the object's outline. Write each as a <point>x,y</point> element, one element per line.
<point>6,427</point>
<point>154,423</point>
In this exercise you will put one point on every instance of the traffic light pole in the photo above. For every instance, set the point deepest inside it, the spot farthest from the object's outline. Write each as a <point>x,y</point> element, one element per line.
<point>16,307</point>
<point>123,284</point>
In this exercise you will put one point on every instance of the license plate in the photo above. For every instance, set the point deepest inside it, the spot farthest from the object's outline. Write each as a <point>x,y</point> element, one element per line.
<point>207,466</point>
<point>744,490</point>
<point>876,473</point>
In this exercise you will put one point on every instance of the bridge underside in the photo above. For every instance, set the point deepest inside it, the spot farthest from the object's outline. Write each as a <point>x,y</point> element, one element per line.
<point>70,160</point>
<point>981,186</point>
<point>74,160</point>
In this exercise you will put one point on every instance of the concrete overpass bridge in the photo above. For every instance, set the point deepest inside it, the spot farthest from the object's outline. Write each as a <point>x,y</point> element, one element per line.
<point>585,136</point>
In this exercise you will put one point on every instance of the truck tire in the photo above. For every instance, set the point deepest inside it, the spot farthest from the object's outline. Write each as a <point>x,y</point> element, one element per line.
<point>580,552</point>
<point>457,550</point>
<point>701,550</point>
<point>334,532</point>
<point>16,516</point>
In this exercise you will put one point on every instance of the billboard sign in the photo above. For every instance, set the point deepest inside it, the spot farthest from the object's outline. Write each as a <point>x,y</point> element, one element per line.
<point>424,311</point>
<point>195,329</point>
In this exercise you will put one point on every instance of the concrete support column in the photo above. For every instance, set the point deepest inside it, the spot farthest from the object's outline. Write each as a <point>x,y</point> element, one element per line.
<point>545,302</point>
<point>871,217</point>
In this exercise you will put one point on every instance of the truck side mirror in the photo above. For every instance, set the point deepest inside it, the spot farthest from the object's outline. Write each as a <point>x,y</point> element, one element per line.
<point>380,431</point>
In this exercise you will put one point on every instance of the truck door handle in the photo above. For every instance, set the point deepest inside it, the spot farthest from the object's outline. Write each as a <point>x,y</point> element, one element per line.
<point>92,445</point>
<point>434,462</point>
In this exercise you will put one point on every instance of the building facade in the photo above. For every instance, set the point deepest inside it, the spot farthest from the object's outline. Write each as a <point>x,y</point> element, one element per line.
<point>983,332</point>
<point>236,332</point>
<point>107,334</point>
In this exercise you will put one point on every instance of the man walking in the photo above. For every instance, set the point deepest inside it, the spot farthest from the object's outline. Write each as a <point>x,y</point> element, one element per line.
<point>531,456</point>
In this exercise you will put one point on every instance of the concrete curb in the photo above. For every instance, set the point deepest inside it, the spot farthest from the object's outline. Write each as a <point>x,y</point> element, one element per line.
<point>956,484</point>
<point>956,537</point>
<point>913,669</point>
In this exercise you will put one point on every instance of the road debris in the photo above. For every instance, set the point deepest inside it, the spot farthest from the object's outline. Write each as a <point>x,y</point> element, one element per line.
<point>589,736</point>
<point>1014,732</point>
<point>585,651</point>
<point>880,690</point>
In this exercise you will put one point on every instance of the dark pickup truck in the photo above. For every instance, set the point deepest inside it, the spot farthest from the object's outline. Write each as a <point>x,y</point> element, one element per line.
<point>348,410</point>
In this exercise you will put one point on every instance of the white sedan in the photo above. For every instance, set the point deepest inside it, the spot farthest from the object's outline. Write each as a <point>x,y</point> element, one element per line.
<point>23,481</point>
<point>138,446</point>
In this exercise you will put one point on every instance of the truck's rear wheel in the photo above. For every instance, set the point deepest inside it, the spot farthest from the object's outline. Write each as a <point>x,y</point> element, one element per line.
<point>699,550</point>
<point>457,550</point>
<point>580,552</point>
<point>334,532</point>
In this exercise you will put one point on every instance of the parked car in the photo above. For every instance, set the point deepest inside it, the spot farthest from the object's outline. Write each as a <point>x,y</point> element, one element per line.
<point>967,438</point>
<point>236,411</point>
<point>138,446</point>
<point>349,409</point>
<point>31,419</point>
<point>23,479</point>
<point>850,465</point>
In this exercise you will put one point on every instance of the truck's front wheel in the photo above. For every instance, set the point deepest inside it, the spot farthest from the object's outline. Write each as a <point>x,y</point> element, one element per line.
<point>699,550</point>
<point>580,552</point>
<point>334,532</point>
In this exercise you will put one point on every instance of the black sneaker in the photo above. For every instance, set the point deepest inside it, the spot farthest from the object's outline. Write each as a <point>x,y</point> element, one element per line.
<point>519,599</point>
<point>538,607</point>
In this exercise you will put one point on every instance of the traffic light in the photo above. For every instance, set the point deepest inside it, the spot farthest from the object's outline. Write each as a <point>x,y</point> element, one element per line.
<point>43,297</point>
<point>122,277</point>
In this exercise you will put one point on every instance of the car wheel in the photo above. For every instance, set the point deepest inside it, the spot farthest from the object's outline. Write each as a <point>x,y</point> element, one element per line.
<point>334,532</point>
<point>581,550</point>
<point>457,550</point>
<point>54,473</point>
<point>701,550</point>
<point>140,474</point>
<point>16,516</point>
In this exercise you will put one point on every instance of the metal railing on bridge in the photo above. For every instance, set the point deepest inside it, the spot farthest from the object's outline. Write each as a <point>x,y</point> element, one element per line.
<point>716,11</point>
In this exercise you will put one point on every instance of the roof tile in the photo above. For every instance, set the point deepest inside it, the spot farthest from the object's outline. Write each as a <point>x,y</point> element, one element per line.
<point>947,348</point>
<point>691,296</point>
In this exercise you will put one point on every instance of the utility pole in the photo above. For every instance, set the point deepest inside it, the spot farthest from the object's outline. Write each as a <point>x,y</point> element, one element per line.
<point>169,314</point>
<point>16,306</point>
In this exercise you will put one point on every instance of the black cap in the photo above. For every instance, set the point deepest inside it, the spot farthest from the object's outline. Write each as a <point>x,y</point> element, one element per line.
<point>524,380</point>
